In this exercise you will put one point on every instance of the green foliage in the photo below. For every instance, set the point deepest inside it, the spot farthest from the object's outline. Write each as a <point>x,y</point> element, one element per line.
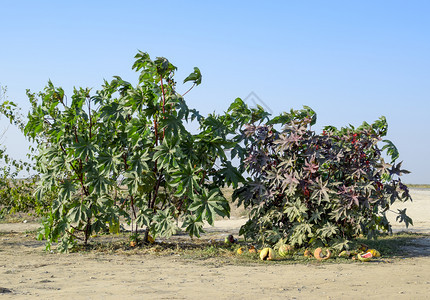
<point>314,189</point>
<point>16,194</point>
<point>124,152</point>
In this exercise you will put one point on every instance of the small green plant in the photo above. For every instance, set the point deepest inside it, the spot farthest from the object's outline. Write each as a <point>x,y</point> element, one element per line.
<point>312,189</point>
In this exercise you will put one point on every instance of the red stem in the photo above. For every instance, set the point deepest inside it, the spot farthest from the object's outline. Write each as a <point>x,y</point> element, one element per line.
<point>156,131</point>
<point>189,89</point>
<point>89,114</point>
<point>164,102</point>
<point>162,91</point>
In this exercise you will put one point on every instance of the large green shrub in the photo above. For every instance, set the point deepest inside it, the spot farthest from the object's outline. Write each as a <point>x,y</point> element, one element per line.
<point>312,189</point>
<point>124,151</point>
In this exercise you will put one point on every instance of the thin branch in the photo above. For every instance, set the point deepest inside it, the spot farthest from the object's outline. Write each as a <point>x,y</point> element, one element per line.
<point>189,89</point>
<point>157,187</point>
<point>80,176</point>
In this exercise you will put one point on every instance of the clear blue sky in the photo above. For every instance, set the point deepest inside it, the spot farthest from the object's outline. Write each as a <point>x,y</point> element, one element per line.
<point>351,61</point>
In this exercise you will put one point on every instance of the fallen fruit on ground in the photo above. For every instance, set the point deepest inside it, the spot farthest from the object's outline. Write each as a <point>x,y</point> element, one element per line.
<point>363,247</point>
<point>267,254</point>
<point>230,239</point>
<point>318,254</point>
<point>285,250</point>
<point>307,253</point>
<point>240,250</point>
<point>365,257</point>
<point>345,253</point>
<point>252,249</point>
<point>133,244</point>
<point>375,253</point>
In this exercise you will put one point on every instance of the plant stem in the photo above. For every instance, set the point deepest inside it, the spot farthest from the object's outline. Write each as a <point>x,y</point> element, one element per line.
<point>189,89</point>
<point>164,102</point>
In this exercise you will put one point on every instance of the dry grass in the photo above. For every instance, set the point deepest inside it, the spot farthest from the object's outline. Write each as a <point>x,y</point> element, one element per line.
<point>216,251</point>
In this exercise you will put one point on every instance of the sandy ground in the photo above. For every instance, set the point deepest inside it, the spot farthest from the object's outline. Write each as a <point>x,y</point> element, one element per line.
<point>26,272</point>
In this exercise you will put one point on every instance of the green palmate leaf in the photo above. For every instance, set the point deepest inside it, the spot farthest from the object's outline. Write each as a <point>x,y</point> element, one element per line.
<point>78,98</point>
<point>285,118</point>
<point>67,188</point>
<point>183,109</point>
<point>78,213</point>
<point>239,108</point>
<point>272,236</point>
<point>315,217</point>
<point>172,126</point>
<point>301,233</point>
<point>214,146</point>
<point>84,149</point>
<point>402,217</point>
<point>99,226</point>
<point>138,128</point>
<point>195,77</point>
<point>122,85</point>
<point>164,224</point>
<point>186,180</point>
<point>142,61</point>
<point>138,98</point>
<point>100,184</point>
<point>214,125</point>
<point>208,204</point>
<point>340,244</point>
<point>310,114</point>
<point>195,115</point>
<point>51,153</point>
<point>59,163</point>
<point>113,111</point>
<point>109,161</point>
<point>243,196</point>
<point>381,126</point>
<point>391,150</point>
<point>295,211</point>
<point>132,180</point>
<point>166,153</point>
<point>66,244</point>
<point>163,66</point>
<point>145,217</point>
<point>188,149</point>
<point>230,174</point>
<point>48,180</point>
<point>139,162</point>
<point>193,226</point>
<point>328,230</point>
